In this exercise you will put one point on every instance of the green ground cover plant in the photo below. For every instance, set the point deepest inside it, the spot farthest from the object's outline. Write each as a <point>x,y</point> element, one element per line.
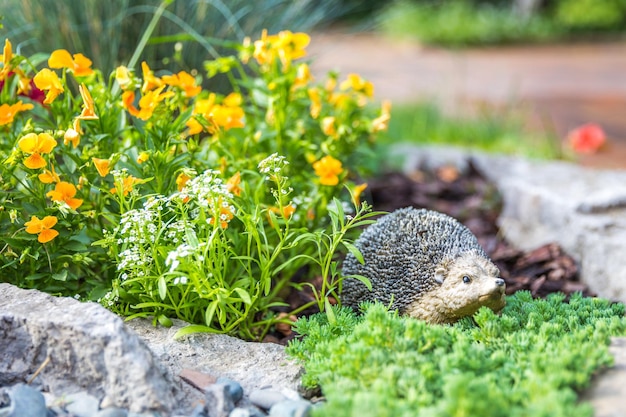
<point>143,190</point>
<point>532,359</point>
<point>498,131</point>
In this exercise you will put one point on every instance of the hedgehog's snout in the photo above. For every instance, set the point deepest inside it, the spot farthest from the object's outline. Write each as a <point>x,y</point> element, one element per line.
<point>500,282</point>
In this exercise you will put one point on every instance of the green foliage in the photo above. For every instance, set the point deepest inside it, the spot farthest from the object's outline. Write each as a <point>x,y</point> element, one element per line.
<point>492,131</point>
<point>581,15</point>
<point>530,360</point>
<point>200,26</point>
<point>462,23</point>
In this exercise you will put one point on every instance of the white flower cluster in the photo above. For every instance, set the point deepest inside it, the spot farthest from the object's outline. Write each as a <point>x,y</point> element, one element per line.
<point>209,192</point>
<point>272,166</point>
<point>108,300</point>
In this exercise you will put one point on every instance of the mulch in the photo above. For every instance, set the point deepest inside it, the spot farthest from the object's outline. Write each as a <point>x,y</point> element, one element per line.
<point>475,202</point>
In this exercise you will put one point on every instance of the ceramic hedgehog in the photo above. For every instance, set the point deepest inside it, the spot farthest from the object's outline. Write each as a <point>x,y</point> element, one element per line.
<point>426,265</point>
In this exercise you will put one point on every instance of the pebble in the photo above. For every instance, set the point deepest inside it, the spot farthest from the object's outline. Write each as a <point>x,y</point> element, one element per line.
<point>291,408</point>
<point>246,412</point>
<point>266,398</point>
<point>112,412</point>
<point>25,401</point>
<point>82,404</point>
<point>233,388</point>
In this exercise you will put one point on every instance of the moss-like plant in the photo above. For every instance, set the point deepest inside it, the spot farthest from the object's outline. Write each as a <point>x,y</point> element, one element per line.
<point>529,361</point>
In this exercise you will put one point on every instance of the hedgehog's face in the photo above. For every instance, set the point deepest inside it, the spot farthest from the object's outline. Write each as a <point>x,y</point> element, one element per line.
<point>463,286</point>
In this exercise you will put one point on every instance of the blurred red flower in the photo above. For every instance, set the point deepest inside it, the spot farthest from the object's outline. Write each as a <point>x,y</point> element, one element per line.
<point>587,138</point>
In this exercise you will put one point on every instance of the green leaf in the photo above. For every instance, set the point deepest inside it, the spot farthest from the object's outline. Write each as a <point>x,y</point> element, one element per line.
<point>61,276</point>
<point>328,308</point>
<point>164,320</point>
<point>193,329</point>
<point>244,295</point>
<point>162,287</point>
<point>354,251</point>
<point>210,312</point>
<point>365,280</point>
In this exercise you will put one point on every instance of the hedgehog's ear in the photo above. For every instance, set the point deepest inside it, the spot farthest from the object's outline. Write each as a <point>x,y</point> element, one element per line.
<point>440,275</point>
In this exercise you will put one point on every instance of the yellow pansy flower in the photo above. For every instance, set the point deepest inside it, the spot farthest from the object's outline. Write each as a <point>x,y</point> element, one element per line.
<point>123,77</point>
<point>48,80</point>
<point>34,145</point>
<point>42,227</point>
<point>7,55</point>
<point>89,111</point>
<point>356,193</point>
<point>103,166</point>
<point>150,82</point>
<point>328,170</point>
<point>78,64</point>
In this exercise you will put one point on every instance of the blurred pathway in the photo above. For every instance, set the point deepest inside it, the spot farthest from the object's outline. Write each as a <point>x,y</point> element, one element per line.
<point>558,86</point>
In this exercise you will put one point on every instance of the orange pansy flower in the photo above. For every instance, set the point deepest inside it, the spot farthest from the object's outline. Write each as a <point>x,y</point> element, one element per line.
<point>184,81</point>
<point>65,192</point>
<point>48,80</point>
<point>34,145</point>
<point>127,185</point>
<point>150,82</point>
<point>181,180</point>
<point>79,64</point>
<point>232,185</point>
<point>89,111</point>
<point>42,227</point>
<point>103,166</point>
<point>7,55</point>
<point>48,177</point>
<point>9,111</point>
<point>147,104</point>
<point>328,169</point>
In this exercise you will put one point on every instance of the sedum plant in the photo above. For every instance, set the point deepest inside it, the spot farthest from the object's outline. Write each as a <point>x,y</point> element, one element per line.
<point>159,198</point>
<point>530,360</point>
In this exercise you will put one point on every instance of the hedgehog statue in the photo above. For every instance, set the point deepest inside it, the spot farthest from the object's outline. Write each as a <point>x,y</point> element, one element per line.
<point>426,265</point>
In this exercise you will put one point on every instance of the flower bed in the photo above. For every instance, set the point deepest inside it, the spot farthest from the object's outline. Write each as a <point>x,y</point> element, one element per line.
<point>158,198</point>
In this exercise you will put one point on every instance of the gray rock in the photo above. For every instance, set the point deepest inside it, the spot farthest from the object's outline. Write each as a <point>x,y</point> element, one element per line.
<point>81,404</point>
<point>253,365</point>
<point>608,389</point>
<point>88,347</point>
<point>112,412</point>
<point>25,401</point>
<point>290,408</point>
<point>219,402</point>
<point>584,210</point>
<point>266,398</point>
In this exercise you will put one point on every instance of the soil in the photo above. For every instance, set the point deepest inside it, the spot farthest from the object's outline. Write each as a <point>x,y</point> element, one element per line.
<point>475,202</point>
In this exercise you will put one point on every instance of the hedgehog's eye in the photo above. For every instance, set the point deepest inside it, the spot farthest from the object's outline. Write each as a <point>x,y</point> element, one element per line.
<point>467,279</point>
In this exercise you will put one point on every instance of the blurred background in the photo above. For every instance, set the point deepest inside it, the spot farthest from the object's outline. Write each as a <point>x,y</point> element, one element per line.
<point>513,76</point>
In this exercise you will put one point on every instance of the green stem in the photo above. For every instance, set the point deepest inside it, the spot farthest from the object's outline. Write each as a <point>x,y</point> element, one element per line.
<point>145,37</point>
